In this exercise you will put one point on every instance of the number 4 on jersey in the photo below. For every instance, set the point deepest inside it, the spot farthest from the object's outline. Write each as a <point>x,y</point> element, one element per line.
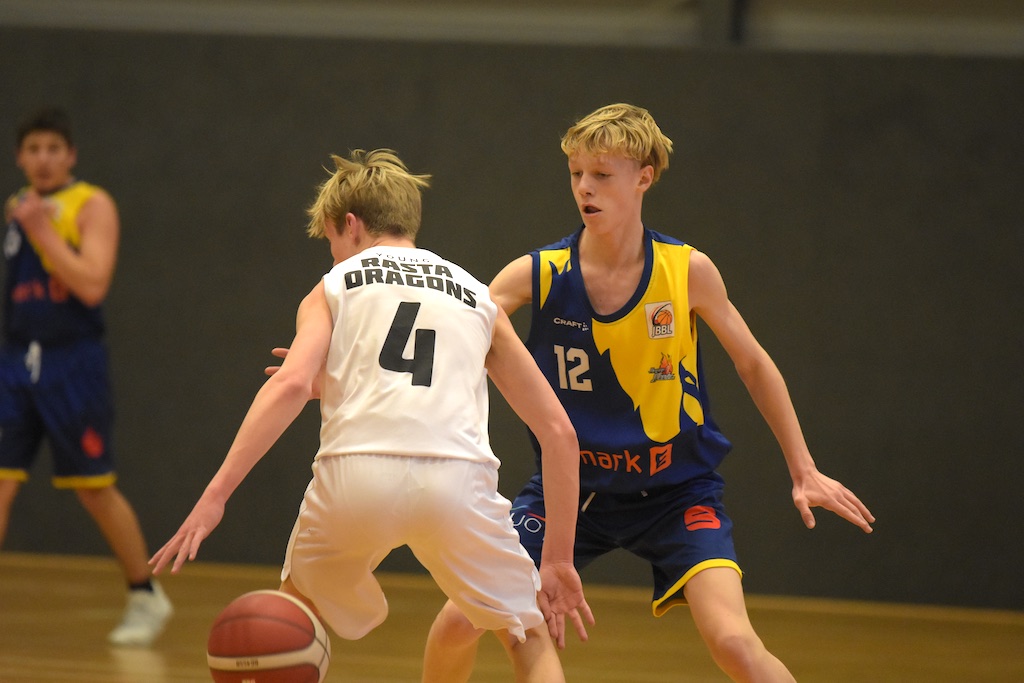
<point>421,365</point>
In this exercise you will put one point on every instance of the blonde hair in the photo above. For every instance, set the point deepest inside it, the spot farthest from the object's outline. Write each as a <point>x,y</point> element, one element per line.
<point>376,187</point>
<point>620,129</point>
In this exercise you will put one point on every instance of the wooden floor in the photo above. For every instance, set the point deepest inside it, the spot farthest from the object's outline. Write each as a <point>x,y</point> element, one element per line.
<point>55,612</point>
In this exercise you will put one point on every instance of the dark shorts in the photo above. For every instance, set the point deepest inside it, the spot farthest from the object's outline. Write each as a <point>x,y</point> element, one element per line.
<point>62,394</point>
<point>680,530</point>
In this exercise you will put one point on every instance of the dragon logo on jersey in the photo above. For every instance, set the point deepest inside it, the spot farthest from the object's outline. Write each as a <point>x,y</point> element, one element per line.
<point>660,320</point>
<point>663,370</point>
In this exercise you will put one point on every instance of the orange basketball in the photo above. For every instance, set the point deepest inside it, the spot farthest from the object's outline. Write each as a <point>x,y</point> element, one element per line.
<point>268,636</point>
<point>663,317</point>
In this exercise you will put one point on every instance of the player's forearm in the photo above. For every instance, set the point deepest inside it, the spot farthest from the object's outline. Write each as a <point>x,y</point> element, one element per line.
<point>561,500</point>
<point>768,389</point>
<point>85,284</point>
<point>85,277</point>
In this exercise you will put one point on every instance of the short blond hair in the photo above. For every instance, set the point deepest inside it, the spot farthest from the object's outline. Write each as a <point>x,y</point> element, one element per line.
<point>620,129</point>
<point>376,187</point>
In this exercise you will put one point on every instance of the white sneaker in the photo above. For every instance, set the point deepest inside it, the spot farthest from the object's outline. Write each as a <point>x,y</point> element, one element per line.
<point>144,617</point>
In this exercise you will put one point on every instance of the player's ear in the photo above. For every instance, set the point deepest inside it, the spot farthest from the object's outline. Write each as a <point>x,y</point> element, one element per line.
<point>352,221</point>
<point>646,178</point>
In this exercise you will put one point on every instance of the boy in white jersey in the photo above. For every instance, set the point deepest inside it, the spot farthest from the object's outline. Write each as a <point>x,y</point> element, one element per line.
<point>613,327</point>
<point>398,343</point>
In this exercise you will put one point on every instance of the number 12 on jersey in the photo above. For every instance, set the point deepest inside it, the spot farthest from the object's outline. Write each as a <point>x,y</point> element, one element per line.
<point>572,365</point>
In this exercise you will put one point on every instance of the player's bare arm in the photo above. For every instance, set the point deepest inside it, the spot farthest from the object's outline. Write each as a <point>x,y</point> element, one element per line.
<point>88,270</point>
<point>512,288</point>
<point>710,300</point>
<point>514,372</point>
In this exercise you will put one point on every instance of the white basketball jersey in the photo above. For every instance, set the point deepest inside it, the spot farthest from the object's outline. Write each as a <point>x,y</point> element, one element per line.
<point>405,371</point>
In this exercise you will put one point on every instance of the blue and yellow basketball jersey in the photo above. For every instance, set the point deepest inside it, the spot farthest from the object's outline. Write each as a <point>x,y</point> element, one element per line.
<point>38,306</point>
<point>631,382</point>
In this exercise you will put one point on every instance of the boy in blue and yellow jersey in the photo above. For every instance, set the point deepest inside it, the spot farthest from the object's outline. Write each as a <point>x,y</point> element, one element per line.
<point>60,250</point>
<point>614,309</point>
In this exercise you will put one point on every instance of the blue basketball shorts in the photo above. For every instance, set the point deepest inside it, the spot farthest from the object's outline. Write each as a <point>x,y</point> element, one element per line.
<point>62,394</point>
<point>680,530</point>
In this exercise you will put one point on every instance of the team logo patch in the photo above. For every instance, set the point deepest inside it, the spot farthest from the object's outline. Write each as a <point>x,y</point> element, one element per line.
<point>701,517</point>
<point>663,370</point>
<point>92,443</point>
<point>661,458</point>
<point>660,320</point>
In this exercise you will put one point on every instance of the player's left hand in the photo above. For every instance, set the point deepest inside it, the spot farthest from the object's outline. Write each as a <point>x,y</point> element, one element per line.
<point>817,490</point>
<point>561,594</point>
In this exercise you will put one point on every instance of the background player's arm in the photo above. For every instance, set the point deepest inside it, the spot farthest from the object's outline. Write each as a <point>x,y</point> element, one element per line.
<point>278,402</point>
<point>708,297</point>
<point>88,270</point>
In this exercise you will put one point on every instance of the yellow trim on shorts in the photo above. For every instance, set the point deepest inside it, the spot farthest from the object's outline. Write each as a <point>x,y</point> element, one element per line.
<point>97,482</point>
<point>16,475</point>
<point>674,596</point>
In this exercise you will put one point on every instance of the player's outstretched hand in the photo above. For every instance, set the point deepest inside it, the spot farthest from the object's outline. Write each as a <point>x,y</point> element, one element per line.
<point>817,490</point>
<point>184,545</point>
<point>561,594</point>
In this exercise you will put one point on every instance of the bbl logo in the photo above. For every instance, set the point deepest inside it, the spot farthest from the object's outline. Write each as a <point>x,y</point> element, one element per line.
<point>660,320</point>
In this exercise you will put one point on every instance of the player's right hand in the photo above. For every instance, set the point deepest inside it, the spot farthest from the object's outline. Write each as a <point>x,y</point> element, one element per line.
<point>184,545</point>
<point>561,595</point>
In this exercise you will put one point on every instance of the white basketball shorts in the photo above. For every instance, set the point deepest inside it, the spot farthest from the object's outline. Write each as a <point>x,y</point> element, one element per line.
<point>358,508</point>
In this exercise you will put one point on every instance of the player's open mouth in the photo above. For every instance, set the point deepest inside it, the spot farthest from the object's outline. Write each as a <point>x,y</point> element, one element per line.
<point>588,209</point>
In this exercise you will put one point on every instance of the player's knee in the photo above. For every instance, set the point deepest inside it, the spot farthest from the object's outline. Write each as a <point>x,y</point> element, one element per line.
<point>92,498</point>
<point>453,627</point>
<point>736,651</point>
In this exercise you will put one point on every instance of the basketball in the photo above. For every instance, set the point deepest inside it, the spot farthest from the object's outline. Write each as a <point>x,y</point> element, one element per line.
<point>268,636</point>
<point>663,317</point>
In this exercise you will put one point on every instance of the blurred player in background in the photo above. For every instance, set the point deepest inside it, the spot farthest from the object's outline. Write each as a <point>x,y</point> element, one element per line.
<point>60,250</point>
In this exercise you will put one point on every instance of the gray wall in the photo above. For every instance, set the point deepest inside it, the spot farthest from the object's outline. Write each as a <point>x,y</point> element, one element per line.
<point>866,213</point>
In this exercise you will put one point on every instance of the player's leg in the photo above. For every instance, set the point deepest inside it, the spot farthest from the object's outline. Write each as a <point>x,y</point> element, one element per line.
<point>8,491</point>
<point>288,586</point>
<point>21,432</point>
<point>491,580</point>
<point>535,659</point>
<point>148,607</point>
<point>340,536</point>
<point>453,641</point>
<point>119,524</point>
<point>451,647</point>
<point>715,596</point>
<point>73,397</point>
<point>686,535</point>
